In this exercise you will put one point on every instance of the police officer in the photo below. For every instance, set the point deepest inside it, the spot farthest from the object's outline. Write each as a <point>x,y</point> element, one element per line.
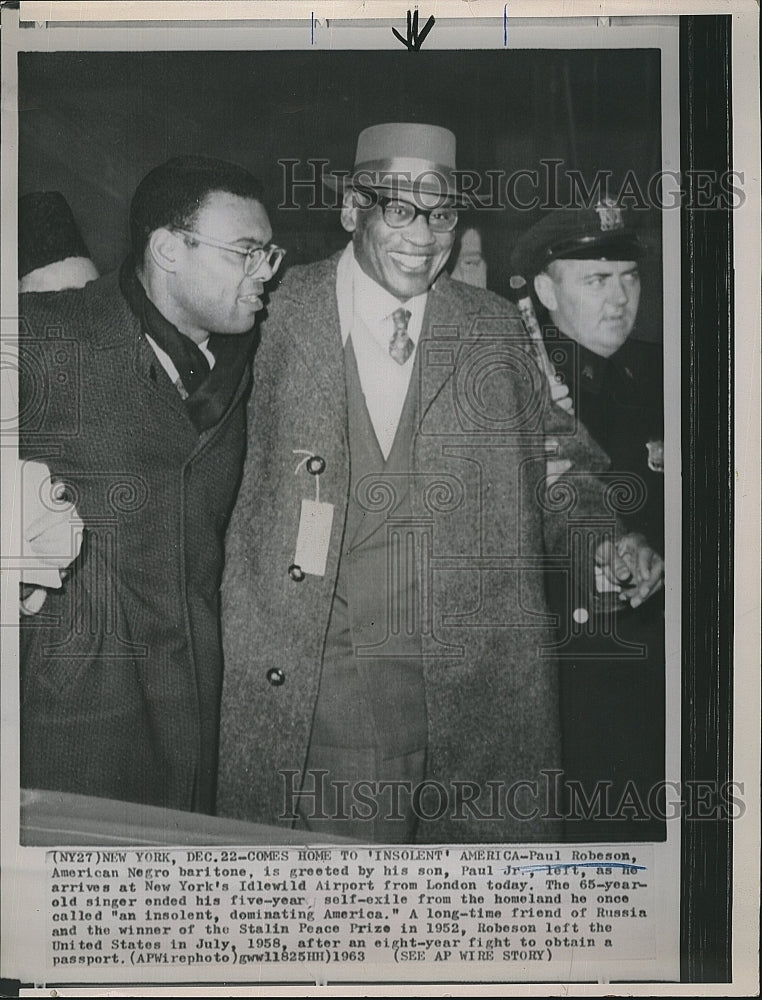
<point>583,267</point>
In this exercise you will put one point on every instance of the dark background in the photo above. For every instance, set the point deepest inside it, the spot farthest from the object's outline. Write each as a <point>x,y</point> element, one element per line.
<point>92,124</point>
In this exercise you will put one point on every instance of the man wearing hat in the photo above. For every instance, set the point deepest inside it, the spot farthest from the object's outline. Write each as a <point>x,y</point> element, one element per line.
<point>384,621</point>
<point>52,252</point>
<point>132,392</point>
<point>584,263</point>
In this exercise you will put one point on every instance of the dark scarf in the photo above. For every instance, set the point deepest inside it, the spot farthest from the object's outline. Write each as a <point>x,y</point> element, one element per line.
<point>209,392</point>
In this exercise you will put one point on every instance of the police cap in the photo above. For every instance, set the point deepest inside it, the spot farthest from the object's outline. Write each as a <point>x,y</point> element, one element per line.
<point>602,232</point>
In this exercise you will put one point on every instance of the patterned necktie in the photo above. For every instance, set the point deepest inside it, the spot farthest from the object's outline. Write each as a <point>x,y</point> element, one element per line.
<point>401,346</point>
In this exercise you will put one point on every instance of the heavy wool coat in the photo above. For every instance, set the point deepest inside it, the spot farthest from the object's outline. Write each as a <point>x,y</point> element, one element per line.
<point>121,670</point>
<point>477,465</point>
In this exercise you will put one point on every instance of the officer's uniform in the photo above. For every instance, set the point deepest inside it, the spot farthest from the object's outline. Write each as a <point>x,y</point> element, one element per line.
<point>612,699</point>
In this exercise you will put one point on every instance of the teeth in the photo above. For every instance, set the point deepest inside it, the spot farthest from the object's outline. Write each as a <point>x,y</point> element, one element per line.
<point>414,262</point>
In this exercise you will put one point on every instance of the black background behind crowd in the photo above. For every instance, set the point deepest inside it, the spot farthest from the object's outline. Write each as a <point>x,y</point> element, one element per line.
<point>92,124</point>
<point>80,132</point>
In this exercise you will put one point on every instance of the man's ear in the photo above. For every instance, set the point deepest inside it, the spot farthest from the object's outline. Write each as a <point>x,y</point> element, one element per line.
<point>163,248</point>
<point>546,291</point>
<point>349,211</point>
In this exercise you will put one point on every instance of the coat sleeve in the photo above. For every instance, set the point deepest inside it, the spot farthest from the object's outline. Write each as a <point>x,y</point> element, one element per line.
<point>49,368</point>
<point>587,500</point>
<point>582,507</point>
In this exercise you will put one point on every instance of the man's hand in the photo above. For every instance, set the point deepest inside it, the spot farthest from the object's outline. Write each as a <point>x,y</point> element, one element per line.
<point>632,566</point>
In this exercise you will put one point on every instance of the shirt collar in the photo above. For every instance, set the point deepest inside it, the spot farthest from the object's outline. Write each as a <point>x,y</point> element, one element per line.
<point>360,296</point>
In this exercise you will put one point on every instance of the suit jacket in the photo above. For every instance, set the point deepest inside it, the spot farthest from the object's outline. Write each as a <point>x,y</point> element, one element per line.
<point>476,487</point>
<point>121,670</point>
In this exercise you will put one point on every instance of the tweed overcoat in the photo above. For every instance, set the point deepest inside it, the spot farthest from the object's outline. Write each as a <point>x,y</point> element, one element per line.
<point>477,466</point>
<point>121,670</point>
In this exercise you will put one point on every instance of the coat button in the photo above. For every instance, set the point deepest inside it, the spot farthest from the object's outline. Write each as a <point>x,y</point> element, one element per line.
<point>275,676</point>
<point>296,573</point>
<point>315,465</point>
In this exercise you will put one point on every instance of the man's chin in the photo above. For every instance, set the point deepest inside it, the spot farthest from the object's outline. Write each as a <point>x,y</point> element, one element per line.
<point>407,286</point>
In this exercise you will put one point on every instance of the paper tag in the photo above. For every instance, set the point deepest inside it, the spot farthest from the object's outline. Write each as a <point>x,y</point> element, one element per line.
<point>314,536</point>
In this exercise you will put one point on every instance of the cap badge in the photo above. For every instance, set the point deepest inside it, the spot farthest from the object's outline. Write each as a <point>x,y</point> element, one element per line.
<point>610,215</point>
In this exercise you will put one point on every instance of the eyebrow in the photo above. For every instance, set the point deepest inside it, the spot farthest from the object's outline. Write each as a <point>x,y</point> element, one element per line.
<point>254,243</point>
<point>607,274</point>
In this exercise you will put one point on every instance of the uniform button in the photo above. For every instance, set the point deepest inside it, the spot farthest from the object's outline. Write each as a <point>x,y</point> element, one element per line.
<point>296,573</point>
<point>275,676</point>
<point>315,465</point>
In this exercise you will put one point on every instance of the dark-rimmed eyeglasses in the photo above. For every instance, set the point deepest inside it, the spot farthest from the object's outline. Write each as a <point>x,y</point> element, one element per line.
<point>399,214</point>
<point>255,257</point>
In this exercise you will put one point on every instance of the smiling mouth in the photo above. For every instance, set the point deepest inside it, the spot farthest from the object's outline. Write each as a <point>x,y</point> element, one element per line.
<point>252,300</point>
<point>410,262</point>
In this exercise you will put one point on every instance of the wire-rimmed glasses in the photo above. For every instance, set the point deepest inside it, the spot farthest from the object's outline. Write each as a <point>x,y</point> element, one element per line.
<point>255,257</point>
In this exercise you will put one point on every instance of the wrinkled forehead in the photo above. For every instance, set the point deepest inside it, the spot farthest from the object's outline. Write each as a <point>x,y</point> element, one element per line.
<point>572,269</point>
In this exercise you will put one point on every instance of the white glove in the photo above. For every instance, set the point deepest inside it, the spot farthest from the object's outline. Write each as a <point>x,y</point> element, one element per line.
<point>51,532</point>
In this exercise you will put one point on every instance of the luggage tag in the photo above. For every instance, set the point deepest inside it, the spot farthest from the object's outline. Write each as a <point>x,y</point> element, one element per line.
<point>315,522</point>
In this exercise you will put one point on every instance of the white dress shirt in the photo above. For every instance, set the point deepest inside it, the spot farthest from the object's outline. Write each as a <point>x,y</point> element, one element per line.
<point>168,365</point>
<point>365,314</point>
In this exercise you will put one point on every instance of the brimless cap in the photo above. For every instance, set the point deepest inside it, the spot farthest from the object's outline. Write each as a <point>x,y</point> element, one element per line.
<point>404,158</point>
<point>47,231</point>
<point>604,232</point>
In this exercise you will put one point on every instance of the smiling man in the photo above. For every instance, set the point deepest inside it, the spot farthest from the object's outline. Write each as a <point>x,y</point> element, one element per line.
<point>383,611</point>
<point>132,391</point>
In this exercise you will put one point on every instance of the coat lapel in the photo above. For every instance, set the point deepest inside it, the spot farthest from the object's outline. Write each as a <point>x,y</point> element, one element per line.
<point>442,319</point>
<point>311,333</point>
<point>118,329</point>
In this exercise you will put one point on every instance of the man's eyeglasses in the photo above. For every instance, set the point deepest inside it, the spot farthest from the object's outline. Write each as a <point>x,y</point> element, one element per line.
<point>255,256</point>
<point>399,214</point>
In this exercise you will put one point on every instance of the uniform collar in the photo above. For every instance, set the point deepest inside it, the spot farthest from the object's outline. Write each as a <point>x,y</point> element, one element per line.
<point>594,370</point>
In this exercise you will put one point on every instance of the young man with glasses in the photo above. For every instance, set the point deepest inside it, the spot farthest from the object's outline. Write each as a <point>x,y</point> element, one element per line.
<point>132,391</point>
<point>388,671</point>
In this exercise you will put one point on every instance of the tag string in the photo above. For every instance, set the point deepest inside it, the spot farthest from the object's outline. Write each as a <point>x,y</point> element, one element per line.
<point>307,457</point>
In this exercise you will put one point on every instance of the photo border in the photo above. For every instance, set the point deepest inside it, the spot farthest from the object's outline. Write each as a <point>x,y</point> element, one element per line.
<point>709,679</point>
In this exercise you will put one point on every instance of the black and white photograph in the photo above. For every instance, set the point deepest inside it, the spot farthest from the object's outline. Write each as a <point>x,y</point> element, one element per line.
<point>354,577</point>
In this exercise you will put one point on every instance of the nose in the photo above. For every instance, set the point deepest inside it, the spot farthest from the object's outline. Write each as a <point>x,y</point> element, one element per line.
<point>264,272</point>
<point>619,293</point>
<point>419,232</point>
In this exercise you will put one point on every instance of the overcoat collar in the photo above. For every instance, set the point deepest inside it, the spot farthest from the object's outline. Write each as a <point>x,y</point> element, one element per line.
<point>115,327</point>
